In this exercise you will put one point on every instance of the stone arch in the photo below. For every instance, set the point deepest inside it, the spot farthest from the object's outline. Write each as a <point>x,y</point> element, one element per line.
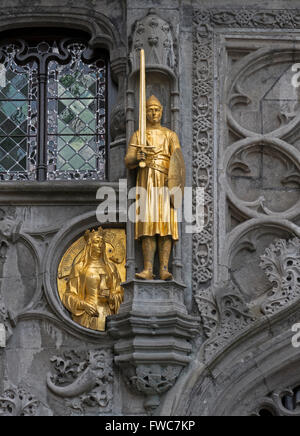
<point>103,32</point>
<point>247,374</point>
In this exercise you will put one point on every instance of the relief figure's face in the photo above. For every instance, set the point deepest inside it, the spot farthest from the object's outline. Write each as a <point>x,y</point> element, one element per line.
<point>154,114</point>
<point>96,246</point>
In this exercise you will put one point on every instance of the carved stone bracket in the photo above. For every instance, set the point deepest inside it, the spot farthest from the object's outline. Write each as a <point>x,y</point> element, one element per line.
<point>153,333</point>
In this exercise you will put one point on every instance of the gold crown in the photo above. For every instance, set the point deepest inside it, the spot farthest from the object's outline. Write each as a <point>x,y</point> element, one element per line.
<point>89,234</point>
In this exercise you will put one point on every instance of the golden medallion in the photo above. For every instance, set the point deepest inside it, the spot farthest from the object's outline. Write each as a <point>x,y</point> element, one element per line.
<point>90,276</point>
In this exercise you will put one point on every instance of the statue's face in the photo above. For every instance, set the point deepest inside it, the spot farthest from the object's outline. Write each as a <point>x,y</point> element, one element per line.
<point>97,244</point>
<point>154,114</point>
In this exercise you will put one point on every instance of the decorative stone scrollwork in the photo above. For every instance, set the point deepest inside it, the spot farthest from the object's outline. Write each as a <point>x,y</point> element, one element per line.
<point>251,18</point>
<point>224,310</point>
<point>17,401</point>
<point>225,315</point>
<point>203,151</point>
<point>84,378</point>
<point>279,403</point>
<point>281,263</point>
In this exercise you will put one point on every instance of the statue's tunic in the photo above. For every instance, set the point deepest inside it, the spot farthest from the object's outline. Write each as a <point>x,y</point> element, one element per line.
<point>159,217</point>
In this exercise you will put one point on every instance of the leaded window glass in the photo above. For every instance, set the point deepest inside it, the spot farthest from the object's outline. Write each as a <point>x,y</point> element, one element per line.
<point>53,120</point>
<point>18,117</point>
<point>76,118</point>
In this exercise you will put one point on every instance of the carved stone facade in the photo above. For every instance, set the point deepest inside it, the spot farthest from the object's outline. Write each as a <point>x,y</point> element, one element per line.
<point>218,339</point>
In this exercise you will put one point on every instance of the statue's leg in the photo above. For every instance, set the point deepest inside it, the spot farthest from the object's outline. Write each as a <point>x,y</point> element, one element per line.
<point>149,245</point>
<point>165,248</point>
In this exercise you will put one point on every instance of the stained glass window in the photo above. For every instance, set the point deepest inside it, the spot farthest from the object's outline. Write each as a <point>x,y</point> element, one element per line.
<point>18,118</point>
<point>52,112</point>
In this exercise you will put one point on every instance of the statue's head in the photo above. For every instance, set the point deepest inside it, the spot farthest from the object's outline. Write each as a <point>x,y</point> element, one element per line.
<point>154,110</point>
<point>95,239</point>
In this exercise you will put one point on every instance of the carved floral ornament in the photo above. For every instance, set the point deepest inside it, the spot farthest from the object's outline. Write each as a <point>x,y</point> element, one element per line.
<point>226,315</point>
<point>84,379</point>
<point>18,401</point>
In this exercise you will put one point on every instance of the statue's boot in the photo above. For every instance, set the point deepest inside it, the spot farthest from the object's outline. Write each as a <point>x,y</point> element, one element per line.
<point>165,248</point>
<point>149,246</point>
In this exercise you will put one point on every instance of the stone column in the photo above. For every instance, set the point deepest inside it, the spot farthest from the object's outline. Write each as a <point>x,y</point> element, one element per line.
<point>2,347</point>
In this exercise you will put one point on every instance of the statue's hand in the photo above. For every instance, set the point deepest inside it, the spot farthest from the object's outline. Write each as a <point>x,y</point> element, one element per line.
<point>115,301</point>
<point>91,310</point>
<point>141,156</point>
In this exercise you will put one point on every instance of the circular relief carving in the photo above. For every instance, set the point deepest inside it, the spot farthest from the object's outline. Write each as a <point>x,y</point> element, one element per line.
<point>245,260</point>
<point>261,97</point>
<point>264,179</point>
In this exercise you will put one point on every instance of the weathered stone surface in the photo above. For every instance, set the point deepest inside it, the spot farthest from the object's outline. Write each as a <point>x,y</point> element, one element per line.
<point>2,336</point>
<point>224,75</point>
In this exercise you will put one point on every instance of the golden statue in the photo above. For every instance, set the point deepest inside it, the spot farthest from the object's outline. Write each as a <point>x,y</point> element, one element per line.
<point>89,279</point>
<point>151,150</point>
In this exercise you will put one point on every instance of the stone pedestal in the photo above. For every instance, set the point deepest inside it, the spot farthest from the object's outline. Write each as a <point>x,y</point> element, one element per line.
<point>152,334</point>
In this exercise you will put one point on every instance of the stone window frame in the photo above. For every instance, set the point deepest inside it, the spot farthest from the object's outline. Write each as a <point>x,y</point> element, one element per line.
<point>43,169</point>
<point>105,35</point>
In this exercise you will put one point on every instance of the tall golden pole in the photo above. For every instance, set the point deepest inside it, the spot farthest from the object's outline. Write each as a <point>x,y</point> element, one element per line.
<point>142,119</point>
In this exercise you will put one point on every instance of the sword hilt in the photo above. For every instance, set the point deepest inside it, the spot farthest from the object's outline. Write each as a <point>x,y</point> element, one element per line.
<point>142,163</point>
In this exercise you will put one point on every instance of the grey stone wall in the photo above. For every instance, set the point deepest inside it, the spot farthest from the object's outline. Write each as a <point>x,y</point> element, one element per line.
<point>223,71</point>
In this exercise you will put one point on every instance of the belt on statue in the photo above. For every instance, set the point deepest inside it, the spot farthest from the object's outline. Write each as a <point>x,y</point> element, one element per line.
<point>154,166</point>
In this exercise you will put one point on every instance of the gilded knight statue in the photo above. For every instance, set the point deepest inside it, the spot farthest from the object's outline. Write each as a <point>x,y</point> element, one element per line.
<point>158,228</point>
<point>94,286</point>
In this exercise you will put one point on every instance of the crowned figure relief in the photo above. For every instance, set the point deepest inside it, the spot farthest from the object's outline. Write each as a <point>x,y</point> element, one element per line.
<point>93,289</point>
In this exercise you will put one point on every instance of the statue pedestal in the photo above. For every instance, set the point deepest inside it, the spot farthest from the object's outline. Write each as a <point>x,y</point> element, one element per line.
<point>152,334</point>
